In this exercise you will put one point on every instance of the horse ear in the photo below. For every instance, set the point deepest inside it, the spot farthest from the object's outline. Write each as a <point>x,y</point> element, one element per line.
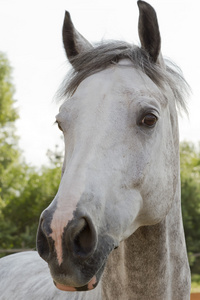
<point>148,28</point>
<point>74,42</point>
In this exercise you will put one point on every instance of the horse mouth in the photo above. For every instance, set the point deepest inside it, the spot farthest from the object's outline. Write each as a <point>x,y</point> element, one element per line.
<point>76,274</point>
<point>87,287</point>
<point>90,286</point>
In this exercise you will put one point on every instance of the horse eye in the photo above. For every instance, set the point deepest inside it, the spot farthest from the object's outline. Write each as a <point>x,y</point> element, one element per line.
<point>58,125</point>
<point>149,120</point>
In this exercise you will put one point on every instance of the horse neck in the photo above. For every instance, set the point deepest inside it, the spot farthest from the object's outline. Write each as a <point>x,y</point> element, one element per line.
<point>152,263</point>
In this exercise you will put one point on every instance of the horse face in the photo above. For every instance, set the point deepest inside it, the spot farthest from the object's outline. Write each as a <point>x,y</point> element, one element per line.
<point>119,168</point>
<point>119,151</point>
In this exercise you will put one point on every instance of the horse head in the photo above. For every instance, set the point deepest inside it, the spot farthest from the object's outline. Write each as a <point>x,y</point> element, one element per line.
<point>120,169</point>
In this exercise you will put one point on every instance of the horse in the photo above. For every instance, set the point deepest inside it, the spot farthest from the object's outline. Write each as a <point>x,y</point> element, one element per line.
<point>114,229</point>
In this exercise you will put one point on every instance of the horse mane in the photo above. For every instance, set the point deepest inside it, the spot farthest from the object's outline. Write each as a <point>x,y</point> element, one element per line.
<point>106,54</point>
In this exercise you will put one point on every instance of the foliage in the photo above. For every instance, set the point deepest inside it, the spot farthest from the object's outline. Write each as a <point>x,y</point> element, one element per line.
<point>11,171</point>
<point>22,212</point>
<point>190,188</point>
<point>9,154</point>
<point>24,191</point>
<point>195,286</point>
<point>8,113</point>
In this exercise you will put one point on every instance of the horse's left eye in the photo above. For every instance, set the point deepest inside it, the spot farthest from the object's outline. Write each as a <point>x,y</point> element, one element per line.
<point>149,120</point>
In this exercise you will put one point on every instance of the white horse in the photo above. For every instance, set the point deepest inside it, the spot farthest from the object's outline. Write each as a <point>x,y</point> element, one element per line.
<point>115,225</point>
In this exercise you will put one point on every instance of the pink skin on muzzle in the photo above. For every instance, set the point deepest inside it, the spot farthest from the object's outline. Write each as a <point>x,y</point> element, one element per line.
<point>66,288</point>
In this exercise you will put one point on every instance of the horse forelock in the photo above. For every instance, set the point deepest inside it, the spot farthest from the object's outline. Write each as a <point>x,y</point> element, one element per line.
<point>109,53</point>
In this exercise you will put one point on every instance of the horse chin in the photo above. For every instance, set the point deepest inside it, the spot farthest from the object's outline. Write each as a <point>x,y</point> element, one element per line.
<point>87,287</point>
<point>90,286</point>
<point>78,274</point>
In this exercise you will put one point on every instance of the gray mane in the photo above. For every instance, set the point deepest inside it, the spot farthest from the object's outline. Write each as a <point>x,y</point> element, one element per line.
<point>106,54</point>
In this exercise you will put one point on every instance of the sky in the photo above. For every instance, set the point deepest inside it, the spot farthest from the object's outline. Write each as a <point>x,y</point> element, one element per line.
<point>30,35</point>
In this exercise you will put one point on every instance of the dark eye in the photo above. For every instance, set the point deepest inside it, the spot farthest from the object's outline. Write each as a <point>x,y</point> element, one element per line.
<point>58,125</point>
<point>149,120</point>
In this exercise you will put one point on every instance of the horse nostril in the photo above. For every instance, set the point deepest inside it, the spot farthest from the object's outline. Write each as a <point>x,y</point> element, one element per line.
<point>84,238</point>
<point>43,242</point>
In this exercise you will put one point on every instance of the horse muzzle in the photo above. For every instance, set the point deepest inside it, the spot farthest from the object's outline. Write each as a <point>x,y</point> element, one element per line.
<point>76,257</point>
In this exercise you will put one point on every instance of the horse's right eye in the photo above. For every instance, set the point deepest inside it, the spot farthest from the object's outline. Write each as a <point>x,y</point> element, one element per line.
<point>59,125</point>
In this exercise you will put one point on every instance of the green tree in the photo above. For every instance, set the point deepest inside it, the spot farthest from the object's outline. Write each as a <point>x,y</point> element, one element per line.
<point>190,189</point>
<point>24,191</point>
<point>9,152</point>
<point>23,210</point>
<point>12,168</point>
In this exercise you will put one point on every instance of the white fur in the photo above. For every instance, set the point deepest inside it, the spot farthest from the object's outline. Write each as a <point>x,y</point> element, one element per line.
<point>25,276</point>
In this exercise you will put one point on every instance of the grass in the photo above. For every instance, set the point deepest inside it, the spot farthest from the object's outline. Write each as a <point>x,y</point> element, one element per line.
<point>195,287</point>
